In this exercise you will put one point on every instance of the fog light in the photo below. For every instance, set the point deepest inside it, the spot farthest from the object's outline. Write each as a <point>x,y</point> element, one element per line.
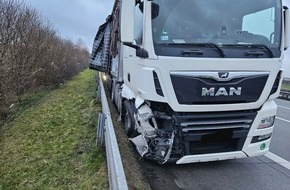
<point>261,138</point>
<point>266,122</point>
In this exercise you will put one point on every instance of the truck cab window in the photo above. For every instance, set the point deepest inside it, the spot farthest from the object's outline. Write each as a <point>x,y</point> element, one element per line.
<point>138,25</point>
<point>261,23</point>
<point>228,23</point>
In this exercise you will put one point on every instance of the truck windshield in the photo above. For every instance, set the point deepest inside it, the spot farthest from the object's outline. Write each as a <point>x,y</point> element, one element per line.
<point>232,25</point>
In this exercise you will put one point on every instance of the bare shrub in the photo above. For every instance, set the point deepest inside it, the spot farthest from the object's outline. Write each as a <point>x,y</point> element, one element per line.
<point>32,55</point>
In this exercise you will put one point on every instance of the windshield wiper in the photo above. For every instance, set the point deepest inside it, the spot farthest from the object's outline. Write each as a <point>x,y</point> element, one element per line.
<point>220,51</point>
<point>263,46</point>
<point>249,45</point>
<point>192,51</point>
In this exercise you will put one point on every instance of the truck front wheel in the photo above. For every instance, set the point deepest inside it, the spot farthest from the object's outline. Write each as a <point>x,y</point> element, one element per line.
<point>129,119</point>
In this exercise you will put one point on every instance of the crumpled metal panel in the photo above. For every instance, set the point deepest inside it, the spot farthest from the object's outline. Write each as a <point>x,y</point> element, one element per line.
<point>101,48</point>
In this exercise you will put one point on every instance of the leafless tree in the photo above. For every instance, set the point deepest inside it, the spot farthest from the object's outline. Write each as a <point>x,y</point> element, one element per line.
<point>32,55</point>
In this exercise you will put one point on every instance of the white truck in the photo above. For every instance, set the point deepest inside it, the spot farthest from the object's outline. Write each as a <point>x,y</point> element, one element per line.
<point>194,80</point>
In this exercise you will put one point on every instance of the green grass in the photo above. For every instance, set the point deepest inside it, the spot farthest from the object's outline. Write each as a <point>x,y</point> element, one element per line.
<point>51,145</point>
<point>27,101</point>
<point>285,87</point>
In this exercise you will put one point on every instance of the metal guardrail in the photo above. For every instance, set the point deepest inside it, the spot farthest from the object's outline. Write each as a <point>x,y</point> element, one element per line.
<point>116,173</point>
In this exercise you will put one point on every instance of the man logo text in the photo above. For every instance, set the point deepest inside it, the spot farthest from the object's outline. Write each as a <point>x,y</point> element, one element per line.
<point>222,91</point>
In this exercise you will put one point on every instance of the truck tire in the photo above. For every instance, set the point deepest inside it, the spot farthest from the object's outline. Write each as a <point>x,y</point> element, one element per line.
<point>129,119</point>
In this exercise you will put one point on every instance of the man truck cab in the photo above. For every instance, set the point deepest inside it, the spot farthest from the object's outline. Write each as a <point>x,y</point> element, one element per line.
<point>195,80</point>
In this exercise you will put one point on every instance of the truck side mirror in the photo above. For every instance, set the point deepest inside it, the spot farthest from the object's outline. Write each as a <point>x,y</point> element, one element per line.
<point>155,10</point>
<point>286,27</point>
<point>127,20</point>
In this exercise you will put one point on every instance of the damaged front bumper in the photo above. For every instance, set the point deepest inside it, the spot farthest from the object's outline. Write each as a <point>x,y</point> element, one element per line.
<point>157,148</point>
<point>191,137</point>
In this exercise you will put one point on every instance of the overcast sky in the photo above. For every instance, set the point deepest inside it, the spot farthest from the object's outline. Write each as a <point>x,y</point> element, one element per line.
<point>80,19</point>
<point>74,19</point>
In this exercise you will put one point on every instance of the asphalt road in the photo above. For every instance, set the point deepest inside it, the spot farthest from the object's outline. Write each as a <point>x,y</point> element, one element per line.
<point>280,144</point>
<point>248,173</point>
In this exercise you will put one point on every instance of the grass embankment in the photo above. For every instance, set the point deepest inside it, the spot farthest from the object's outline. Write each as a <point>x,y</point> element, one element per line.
<point>28,100</point>
<point>52,144</point>
<point>285,87</point>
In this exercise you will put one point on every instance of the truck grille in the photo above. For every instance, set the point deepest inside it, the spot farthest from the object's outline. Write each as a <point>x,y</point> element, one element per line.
<point>190,88</point>
<point>215,132</point>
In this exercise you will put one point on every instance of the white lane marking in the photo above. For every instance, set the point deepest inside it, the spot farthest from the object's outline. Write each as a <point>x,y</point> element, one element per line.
<point>283,119</point>
<point>278,160</point>
<point>284,107</point>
